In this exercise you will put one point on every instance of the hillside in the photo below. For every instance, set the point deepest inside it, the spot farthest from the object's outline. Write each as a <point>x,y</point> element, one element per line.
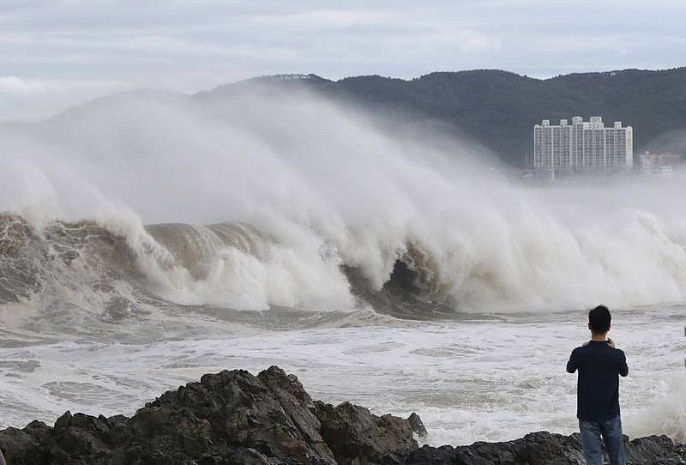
<point>499,109</point>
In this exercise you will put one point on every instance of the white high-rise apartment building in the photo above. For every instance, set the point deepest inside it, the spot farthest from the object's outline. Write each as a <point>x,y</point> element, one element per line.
<point>583,146</point>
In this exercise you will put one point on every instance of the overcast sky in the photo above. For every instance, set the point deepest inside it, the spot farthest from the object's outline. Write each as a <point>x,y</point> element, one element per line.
<point>57,53</point>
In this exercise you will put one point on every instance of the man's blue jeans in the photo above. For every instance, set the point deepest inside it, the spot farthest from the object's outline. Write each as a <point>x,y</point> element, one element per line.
<point>611,430</point>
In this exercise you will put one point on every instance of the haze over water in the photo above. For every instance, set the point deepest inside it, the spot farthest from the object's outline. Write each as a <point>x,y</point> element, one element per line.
<point>149,238</point>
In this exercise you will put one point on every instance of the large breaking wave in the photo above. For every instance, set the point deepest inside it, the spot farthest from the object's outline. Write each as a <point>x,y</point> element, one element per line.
<point>261,199</point>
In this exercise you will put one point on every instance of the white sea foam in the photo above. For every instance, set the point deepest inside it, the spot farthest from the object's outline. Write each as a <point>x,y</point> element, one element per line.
<point>329,187</point>
<point>664,413</point>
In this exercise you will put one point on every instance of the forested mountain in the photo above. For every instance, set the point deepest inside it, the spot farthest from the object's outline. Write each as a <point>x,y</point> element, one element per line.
<point>499,109</point>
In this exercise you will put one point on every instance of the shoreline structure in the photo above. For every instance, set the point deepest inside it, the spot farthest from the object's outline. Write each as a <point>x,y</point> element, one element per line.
<point>233,417</point>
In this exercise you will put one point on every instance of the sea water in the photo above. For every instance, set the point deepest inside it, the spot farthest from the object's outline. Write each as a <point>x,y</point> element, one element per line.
<point>148,239</point>
<point>493,377</point>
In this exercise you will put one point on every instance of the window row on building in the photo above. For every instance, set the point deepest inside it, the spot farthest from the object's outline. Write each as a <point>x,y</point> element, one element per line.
<point>582,146</point>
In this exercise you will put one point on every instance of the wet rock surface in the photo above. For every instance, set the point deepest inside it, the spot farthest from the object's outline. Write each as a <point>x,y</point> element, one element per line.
<point>543,448</point>
<point>234,417</point>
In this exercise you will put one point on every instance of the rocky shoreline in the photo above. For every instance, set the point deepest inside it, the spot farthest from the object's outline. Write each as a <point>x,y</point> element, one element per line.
<point>234,417</point>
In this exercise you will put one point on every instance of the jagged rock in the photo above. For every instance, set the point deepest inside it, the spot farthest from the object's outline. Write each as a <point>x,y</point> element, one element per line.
<point>417,425</point>
<point>542,448</point>
<point>230,417</point>
<point>427,455</point>
<point>354,434</point>
<point>639,449</point>
<point>234,417</point>
<point>25,447</point>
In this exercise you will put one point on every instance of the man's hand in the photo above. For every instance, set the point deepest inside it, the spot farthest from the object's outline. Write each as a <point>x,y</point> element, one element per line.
<point>610,342</point>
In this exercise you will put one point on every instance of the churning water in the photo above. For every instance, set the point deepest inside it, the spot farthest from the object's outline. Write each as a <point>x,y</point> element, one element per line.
<point>148,239</point>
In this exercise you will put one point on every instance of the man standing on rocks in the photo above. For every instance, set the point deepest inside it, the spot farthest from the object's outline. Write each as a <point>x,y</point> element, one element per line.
<point>599,364</point>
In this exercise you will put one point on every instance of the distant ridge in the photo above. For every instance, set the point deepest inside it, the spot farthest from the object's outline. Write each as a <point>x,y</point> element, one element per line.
<point>499,108</point>
<point>287,78</point>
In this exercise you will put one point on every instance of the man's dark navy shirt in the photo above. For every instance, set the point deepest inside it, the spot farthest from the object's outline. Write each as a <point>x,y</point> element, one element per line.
<point>597,395</point>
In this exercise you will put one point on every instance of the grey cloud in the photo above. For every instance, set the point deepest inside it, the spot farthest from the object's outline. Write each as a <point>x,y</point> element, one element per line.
<point>157,41</point>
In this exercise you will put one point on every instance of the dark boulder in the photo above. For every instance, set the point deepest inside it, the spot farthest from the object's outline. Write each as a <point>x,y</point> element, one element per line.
<point>356,436</point>
<point>230,417</point>
<point>543,448</point>
<point>417,425</point>
<point>27,446</point>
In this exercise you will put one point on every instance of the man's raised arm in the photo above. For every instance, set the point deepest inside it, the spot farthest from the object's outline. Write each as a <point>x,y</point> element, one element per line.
<point>623,368</point>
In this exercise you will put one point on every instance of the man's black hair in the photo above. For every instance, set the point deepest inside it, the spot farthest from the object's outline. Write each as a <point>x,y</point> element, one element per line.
<point>599,319</point>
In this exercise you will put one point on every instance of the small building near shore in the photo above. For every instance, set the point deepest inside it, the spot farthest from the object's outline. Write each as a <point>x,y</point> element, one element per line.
<point>659,164</point>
